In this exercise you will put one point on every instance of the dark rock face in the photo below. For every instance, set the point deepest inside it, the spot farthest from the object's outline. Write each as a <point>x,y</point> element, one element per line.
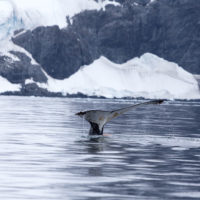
<point>58,51</point>
<point>174,32</point>
<point>131,2</point>
<point>32,89</point>
<point>167,28</point>
<point>19,71</point>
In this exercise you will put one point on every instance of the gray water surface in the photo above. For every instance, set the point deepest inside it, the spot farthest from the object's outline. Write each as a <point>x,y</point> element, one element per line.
<point>152,152</point>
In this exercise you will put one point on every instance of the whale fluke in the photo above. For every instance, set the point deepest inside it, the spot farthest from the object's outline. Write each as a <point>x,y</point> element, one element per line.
<point>98,118</point>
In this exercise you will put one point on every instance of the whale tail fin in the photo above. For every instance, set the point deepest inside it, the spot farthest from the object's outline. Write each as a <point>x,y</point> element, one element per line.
<point>116,113</point>
<point>98,118</point>
<point>95,129</point>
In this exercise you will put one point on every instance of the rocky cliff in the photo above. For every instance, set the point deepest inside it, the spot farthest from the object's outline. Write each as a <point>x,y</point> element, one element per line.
<point>119,31</point>
<point>167,28</point>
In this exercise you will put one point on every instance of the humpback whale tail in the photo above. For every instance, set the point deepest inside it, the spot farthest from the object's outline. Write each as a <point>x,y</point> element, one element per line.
<point>98,118</point>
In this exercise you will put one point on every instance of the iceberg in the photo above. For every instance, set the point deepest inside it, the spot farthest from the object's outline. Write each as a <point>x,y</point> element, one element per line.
<point>148,76</point>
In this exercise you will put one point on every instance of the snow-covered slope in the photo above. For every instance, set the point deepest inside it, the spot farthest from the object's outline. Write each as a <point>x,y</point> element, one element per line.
<point>6,86</point>
<point>28,14</point>
<point>148,76</point>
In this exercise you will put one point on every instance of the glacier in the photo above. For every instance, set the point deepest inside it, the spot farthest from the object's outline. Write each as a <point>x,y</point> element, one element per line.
<point>29,14</point>
<point>148,76</point>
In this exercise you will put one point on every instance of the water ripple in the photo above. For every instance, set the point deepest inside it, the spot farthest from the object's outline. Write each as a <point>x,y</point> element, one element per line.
<point>151,153</point>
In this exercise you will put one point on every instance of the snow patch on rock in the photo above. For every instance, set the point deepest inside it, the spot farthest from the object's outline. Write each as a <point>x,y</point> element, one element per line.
<point>6,86</point>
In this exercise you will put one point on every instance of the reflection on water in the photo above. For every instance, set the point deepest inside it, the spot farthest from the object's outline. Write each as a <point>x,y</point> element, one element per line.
<point>150,153</point>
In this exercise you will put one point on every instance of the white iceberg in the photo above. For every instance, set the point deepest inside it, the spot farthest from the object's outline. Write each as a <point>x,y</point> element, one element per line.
<point>148,76</point>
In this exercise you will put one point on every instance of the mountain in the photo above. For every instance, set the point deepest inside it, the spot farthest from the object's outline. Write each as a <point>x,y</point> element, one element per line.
<point>72,34</point>
<point>23,14</point>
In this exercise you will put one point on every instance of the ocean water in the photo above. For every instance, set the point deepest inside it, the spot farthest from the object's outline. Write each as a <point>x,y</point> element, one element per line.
<point>152,152</point>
